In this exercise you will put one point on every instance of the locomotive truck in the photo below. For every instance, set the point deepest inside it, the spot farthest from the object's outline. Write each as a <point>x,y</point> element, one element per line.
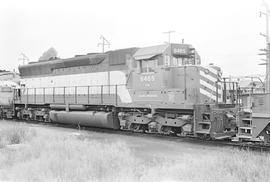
<point>158,89</point>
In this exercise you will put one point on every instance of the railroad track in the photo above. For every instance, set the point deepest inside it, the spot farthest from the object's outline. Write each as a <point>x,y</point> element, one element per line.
<point>239,145</point>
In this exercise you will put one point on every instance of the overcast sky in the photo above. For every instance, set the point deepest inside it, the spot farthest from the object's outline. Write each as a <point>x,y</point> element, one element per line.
<point>224,32</point>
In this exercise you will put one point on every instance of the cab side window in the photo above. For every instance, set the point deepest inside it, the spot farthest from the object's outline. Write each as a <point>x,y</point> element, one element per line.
<point>160,60</point>
<point>147,66</point>
<point>167,61</point>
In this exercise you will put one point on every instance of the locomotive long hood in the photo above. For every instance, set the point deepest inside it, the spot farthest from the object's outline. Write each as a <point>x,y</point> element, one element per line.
<point>44,68</point>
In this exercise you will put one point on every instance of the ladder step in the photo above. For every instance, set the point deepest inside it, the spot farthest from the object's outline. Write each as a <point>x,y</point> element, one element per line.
<point>244,136</point>
<point>204,122</point>
<point>247,110</point>
<point>245,127</point>
<point>203,132</point>
<point>246,119</point>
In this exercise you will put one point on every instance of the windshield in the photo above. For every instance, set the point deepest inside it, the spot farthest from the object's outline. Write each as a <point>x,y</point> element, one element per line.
<point>148,65</point>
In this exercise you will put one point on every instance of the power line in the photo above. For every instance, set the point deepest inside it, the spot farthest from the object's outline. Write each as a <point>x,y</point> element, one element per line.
<point>267,49</point>
<point>23,58</point>
<point>104,42</point>
<point>169,35</point>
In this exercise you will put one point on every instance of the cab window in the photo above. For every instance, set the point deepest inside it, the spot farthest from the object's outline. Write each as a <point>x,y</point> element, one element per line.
<point>167,61</point>
<point>147,66</point>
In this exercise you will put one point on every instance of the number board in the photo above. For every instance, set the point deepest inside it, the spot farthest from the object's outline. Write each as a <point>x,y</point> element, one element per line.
<point>180,50</point>
<point>147,78</point>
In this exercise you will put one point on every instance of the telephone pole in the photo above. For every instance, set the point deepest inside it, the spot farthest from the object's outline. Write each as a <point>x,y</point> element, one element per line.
<point>169,35</point>
<point>267,49</point>
<point>104,42</point>
<point>23,58</point>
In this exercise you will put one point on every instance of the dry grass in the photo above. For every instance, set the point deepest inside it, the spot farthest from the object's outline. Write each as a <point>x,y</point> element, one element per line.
<point>71,158</point>
<point>16,134</point>
<point>219,167</point>
<point>68,159</point>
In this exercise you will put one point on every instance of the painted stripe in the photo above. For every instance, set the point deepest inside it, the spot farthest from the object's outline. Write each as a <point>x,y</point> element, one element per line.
<point>209,72</point>
<point>208,76</point>
<point>208,94</point>
<point>204,92</point>
<point>211,87</point>
<point>210,91</point>
<point>213,70</point>
<point>210,82</point>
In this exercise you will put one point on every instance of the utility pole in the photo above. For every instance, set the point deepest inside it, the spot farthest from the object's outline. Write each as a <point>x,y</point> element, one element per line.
<point>23,58</point>
<point>267,49</point>
<point>169,35</point>
<point>104,43</point>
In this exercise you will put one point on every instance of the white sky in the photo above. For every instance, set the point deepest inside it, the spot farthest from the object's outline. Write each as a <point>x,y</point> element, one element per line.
<point>224,32</point>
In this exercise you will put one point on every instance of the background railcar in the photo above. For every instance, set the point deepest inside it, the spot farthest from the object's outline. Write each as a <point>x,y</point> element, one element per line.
<point>254,117</point>
<point>8,82</point>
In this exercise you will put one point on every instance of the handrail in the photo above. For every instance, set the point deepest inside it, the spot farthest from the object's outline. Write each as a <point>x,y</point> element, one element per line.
<point>83,86</point>
<point>27,101</point>
<point>64,95</point>
<point>55,92</point>
<point>233,86</point>
<point>101,97</point>
<point>88,98</point>
<point>44,95</point>
<point>116,95</point>
<point>75,94</point>
<point>35,90</point>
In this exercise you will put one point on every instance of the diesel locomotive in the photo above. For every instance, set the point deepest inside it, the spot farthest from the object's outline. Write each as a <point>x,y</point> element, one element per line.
<point>159,89</point>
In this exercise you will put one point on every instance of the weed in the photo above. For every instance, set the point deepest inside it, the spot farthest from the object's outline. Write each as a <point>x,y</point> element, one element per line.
<point>16,134</point>
<point>52,156</point>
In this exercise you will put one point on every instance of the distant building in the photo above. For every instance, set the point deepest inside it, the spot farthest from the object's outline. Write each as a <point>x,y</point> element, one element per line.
<point>251,85</point>
<point>8,77</point>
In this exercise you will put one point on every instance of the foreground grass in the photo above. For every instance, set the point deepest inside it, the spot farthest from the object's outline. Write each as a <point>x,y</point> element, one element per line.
<point>15,134</point>
<point>54,157</point>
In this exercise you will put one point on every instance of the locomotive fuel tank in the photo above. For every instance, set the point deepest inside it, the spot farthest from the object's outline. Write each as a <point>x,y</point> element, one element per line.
<point>85,118</point>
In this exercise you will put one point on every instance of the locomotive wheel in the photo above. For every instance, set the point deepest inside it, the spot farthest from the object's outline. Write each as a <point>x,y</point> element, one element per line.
<point>138,128</point>
<point>166,130</point>
<point>204,137</point>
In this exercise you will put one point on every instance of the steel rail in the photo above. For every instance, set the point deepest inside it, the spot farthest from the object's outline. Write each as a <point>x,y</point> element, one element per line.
<point>248,146</point>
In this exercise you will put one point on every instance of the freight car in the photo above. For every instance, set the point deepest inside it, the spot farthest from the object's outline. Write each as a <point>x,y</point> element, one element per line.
<point>158,89</point>
<point>254,117</point>
<point>8,82</point>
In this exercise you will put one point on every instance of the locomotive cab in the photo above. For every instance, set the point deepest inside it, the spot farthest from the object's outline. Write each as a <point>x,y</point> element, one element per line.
<point>170,74</point>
